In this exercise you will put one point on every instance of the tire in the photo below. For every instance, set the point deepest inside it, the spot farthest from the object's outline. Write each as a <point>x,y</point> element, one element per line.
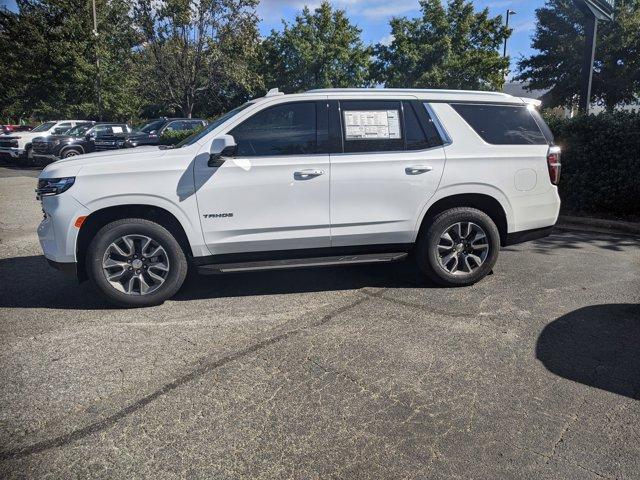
<point>71,152</point>
<point>112,250</point>
<point>26,160</point>
<point>446,249</point>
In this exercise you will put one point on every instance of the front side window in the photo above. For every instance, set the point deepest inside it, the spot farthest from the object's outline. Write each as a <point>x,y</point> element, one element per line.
<point>286,129</point>
<point>502,124</point>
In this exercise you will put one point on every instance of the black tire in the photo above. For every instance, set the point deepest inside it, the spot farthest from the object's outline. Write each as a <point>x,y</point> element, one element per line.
<point>26,160</point>
<point>71,152</point>
<point>136,226</point>
<point>428,254</point>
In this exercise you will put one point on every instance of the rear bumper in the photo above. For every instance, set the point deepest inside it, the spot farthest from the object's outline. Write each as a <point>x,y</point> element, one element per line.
<point>527,235</point>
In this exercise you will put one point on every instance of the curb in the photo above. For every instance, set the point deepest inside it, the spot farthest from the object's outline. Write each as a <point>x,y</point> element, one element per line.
<point>598,225</point>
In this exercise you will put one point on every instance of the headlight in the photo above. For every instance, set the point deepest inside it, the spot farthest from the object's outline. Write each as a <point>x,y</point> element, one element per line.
<point>56,142</point>
<point>53,186</point>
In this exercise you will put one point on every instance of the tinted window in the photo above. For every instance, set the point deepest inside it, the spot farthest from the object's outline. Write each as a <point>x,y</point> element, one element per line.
<point>213,125</point>
<point>288,129</point>
<point>416,137</point>
<point>371,126</point>
<point>501,124</point>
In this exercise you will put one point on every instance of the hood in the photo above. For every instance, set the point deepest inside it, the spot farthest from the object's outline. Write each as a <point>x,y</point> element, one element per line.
<point>69,167</point>
<point>62,138</point>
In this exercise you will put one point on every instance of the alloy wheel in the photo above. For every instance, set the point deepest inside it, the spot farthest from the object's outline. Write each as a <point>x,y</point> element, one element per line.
<point>462,248</point>
<point>135,264</point>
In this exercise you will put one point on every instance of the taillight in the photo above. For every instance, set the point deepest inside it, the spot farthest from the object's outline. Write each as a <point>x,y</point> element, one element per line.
<point>553,163</point>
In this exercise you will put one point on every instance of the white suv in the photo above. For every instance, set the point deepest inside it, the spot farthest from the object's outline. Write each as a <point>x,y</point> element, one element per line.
<point>324,177</point>
<point>17,145</point>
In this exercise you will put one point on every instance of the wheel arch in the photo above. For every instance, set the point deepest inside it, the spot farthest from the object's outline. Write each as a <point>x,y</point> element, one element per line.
<point>484,202</point>
<point>71,147</point>
<point>99,218</point>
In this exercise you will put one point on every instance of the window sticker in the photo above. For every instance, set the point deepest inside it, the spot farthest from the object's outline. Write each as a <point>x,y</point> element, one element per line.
<point>372,124</point>
<point>116,129</point>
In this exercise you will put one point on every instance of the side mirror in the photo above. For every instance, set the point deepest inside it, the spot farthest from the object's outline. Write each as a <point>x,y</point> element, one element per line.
<point>222,146</point>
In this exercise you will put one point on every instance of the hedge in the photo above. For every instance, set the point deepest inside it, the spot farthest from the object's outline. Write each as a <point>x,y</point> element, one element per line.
<point>600,163</point>
<point>173,137</point>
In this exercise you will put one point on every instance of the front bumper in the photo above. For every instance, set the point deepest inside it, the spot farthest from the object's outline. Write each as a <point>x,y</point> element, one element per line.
<point>47,157</point>
<point>70,269</point>
<point>13,152</point>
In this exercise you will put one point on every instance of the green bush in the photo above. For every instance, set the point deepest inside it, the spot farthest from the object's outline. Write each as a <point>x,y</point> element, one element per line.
<point>174,137</point>
<point>600,163</point>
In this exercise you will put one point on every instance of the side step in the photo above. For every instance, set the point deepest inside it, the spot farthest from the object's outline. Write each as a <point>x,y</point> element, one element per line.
<point>302,263</point>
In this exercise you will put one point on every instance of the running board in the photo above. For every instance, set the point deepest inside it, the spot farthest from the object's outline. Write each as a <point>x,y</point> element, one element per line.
<point>301,263</point>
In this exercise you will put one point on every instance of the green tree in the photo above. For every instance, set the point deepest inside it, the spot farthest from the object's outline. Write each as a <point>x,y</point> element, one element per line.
<point>199,55</point>
<point>48,60</point>
<point>449,46</point>
<point>320,49</point>
<point>559,39</point>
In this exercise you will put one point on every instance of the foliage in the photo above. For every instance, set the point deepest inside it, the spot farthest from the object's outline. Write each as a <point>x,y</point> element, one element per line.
<point>559,38</point>
<point>172,137</point>
<point>48,60</point>
<point>448,47</point>
<point>600,162</point>
<point>320,49</point>
<point>198,53</point>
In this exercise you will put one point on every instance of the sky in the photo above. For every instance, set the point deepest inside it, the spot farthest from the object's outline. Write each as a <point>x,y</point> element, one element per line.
<point>372,16</point>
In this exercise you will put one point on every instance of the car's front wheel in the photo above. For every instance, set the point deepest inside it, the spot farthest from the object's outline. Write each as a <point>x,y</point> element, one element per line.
<point>136,263</point>
<point>459,247</point>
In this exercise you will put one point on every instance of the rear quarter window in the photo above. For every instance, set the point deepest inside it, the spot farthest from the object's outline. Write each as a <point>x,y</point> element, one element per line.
<point>502,124</point>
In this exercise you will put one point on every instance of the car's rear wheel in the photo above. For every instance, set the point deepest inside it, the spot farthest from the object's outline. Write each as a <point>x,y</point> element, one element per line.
<point>136,263</point>
<point>459,247</point>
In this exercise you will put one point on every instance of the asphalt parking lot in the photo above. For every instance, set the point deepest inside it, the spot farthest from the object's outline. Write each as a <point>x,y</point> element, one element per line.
<point>353,372</point>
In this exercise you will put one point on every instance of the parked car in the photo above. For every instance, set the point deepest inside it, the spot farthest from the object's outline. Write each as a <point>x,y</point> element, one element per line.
<point>15,128</point>
<point>151,132</point>
<point>83,138</point>
<point>18,146</point>
<point>327,177</point>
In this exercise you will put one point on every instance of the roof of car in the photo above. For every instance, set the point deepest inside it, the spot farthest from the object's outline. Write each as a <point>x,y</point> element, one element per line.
<point>422,94</point>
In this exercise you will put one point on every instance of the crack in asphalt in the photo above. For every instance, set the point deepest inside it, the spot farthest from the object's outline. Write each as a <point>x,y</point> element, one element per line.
<point>144,401</point>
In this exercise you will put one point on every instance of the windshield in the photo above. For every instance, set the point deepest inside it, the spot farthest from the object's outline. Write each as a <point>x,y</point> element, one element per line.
<point>154,125</point>
<point>44,127</point>
<point>212,126</point>
<point>78,131</point>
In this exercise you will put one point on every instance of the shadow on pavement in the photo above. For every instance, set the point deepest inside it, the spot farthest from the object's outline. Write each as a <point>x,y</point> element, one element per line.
<point>577,240</point>
<point>598,346</point>
<point>29,282</point>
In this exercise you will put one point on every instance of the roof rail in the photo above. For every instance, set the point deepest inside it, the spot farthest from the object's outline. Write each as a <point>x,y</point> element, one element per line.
<point>274,92</point>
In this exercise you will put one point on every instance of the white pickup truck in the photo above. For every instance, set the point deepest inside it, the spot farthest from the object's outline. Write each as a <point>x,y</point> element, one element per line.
<point>18,145</point>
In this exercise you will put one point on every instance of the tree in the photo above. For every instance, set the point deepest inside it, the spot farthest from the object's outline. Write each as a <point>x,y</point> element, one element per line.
<point>559,39</point>
<point>447,47</point>
<point>198,55</point>
<point>320,49</point>
<point>48,61</point>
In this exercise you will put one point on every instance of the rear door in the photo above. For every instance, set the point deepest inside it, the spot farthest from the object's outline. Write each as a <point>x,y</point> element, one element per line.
<point>390,164</point>
<point>274,194</point>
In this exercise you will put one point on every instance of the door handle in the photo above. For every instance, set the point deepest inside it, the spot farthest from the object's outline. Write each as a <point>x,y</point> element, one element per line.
<point>307,174</point>
<point>418,169</point>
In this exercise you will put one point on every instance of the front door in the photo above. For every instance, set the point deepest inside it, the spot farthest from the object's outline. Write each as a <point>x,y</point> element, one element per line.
<point>390,165</point>
<point>274,193</point>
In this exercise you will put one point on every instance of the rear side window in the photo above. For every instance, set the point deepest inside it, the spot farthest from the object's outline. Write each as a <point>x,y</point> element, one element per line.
<point>502,124</point>
<point>286,129</point>
<point>371,126</point>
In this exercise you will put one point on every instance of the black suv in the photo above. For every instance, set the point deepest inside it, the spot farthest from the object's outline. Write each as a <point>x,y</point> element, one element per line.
<point>151,132</point>
<point>80,139</point>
